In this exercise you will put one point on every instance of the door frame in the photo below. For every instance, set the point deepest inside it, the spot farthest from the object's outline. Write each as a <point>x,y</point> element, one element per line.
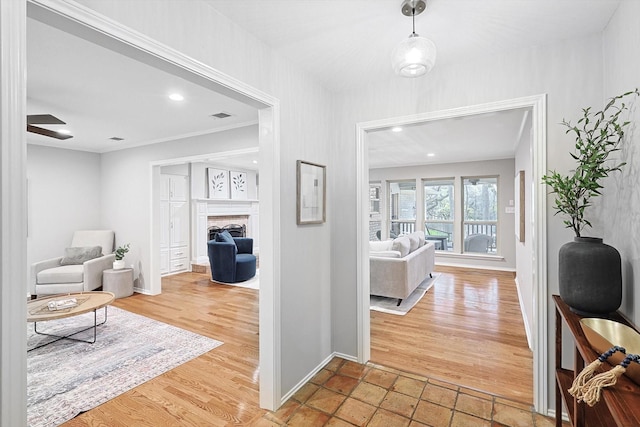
<point>90,25</point>
<point>538,105</point>
<point>154,220</point>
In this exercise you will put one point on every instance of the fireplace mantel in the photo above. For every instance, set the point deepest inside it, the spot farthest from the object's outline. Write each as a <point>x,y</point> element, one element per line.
<point>204,208</point>
<point>222,207</point>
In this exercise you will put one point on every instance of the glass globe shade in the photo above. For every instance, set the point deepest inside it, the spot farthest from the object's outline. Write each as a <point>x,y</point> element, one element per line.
<point>414,56</point>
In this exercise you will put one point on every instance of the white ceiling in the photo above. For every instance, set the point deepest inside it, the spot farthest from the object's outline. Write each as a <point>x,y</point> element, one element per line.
<point>345,44</point>
<point>348,43</point>
<point>101,94</point>
<point>476,137</point>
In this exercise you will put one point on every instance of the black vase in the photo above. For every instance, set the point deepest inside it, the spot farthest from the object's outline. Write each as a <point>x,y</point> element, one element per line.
<point>590,274</point>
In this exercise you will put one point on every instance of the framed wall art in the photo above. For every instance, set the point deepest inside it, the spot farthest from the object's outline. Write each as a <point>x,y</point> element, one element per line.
<point>218,180</point>
<point>311,193</point>
<point>238,181</point>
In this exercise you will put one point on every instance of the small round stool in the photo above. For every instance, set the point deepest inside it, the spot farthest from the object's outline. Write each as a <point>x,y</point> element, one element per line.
<point>120,282</point>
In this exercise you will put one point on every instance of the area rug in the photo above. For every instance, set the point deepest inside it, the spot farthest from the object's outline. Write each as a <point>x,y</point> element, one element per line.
<point>390,305</point>
<point>67,378</point>
<point>253,283</point>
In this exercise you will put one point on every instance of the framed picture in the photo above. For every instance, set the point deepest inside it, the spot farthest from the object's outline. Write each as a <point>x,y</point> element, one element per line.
<point>218,181</point>
<point>311,193</point>
<point>238,181</point>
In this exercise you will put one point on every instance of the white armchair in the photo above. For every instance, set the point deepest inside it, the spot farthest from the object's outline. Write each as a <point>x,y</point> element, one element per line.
<point>53,277</point>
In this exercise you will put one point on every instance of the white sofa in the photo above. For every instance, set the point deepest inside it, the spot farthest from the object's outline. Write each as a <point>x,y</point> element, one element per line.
<point>398,266</point>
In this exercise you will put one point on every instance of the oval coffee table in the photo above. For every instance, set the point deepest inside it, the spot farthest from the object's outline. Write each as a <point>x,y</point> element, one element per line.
<point>38,311</point>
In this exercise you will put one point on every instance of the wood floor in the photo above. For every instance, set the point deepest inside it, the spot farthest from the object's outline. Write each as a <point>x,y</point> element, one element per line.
<point>466,330</point>
<point>219,388</point>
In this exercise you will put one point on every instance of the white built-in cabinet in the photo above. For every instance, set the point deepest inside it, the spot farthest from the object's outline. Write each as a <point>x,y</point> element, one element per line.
<point>174,223</point>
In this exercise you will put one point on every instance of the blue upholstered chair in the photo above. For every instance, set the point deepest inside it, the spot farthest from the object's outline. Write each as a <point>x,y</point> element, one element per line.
<point>231,258</point>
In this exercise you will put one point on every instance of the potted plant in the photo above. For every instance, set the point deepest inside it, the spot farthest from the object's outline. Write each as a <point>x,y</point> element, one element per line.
<point>590,275</point>
<point>120,252</point>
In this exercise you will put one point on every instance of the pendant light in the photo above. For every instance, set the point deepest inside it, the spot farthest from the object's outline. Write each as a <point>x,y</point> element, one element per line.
<point>415,55</point>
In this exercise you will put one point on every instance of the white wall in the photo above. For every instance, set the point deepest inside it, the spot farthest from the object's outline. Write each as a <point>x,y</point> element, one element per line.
<point>524,250</point>
<point>197,30</point>
<point>569,72</point>
<point>617,214</point>
<point>503,169</point>
<point>63,196</point>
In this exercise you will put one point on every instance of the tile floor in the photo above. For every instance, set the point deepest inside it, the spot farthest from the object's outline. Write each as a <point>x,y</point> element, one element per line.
<point>347,394</point>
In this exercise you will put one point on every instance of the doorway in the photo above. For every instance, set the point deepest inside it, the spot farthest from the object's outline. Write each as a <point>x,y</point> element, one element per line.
<point>78,21</point>
<point>538,223</point>
<point>242,159</point>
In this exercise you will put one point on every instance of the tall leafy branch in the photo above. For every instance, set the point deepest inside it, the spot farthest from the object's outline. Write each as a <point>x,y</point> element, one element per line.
<point>598,134</point>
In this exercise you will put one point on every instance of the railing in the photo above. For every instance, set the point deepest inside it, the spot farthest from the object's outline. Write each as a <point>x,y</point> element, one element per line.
<point>402,227</point>
<point>398,227</point>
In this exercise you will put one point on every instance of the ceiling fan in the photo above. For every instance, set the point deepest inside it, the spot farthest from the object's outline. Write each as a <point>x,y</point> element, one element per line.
<point>45,119</point>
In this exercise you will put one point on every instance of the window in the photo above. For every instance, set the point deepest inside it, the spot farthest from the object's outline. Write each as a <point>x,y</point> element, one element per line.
<point>375,220</point>
<point>439,209</point>
<point>480,214</point>
<point>402,207</point>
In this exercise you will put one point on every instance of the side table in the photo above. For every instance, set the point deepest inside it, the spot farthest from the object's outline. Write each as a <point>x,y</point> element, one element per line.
<point>120,282</point>
<point>619,406</point>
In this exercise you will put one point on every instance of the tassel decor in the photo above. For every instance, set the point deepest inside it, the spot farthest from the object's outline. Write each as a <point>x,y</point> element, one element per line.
<point>593,388</point>
<point>578,387</point>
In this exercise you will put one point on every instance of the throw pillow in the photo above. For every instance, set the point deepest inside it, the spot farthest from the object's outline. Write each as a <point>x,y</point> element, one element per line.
<point>421,237</point>
<point>375,246</point>
<point>402,245</point>
<point>80,255</point>
<point>226,237</point>
<point>385,254</point>
<point>414,242</point>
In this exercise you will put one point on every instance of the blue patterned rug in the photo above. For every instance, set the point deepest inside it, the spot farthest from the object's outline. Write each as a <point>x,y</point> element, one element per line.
<point>67,378</point>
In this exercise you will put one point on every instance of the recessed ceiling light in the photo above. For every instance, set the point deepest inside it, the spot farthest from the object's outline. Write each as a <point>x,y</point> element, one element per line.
<point>396,129</point>
<point>430,154</point>
<point>176,97</point>
<point>64,131</point>
<point>255,162</point>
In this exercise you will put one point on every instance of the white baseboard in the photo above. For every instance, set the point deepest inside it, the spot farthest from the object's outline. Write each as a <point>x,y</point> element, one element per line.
<point>476,267</point>
<point>311,374</point>
<point>552,414</point>
<point>345,356</point>
<point>142,291</point>
<point>527,329</point>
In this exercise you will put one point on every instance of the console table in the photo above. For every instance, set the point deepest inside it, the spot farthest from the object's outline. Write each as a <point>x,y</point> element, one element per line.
<point>619,405</point>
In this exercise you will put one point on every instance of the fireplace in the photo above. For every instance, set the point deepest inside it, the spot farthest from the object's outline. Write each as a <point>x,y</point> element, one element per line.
<point>209,214</point>
<point>235,224</point>
<point>236,230</point>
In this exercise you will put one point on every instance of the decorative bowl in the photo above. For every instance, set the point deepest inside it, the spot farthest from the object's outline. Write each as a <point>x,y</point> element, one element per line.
<point>603,334</point>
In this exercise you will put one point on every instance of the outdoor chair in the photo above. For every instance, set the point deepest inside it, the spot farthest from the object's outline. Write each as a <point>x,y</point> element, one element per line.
<point>477,243</point>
